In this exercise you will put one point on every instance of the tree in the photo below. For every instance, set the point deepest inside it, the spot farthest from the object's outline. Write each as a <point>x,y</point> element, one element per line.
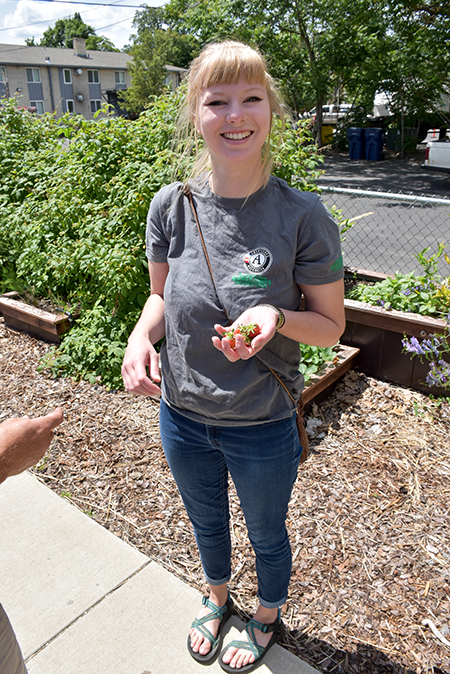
<point>332,50</point>
<point>153,47</point>
<point>312,46</point>
<point>64,30</point>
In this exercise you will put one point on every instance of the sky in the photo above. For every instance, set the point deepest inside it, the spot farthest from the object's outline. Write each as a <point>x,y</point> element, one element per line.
<point>20,19</point>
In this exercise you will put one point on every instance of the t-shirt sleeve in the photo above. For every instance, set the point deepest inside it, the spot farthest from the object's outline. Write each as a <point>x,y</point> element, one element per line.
<point>156,239</point>
<point>319,255</point>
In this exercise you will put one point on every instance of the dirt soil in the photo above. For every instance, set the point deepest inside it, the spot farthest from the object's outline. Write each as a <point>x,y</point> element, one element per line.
<point>368,522</point>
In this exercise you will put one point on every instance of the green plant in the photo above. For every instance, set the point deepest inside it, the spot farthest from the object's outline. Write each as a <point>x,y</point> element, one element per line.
<point>74,196</point>
<point>314,359</point>
<point>426,294</point>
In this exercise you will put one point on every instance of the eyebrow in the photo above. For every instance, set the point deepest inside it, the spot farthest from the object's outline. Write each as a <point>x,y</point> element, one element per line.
<point>222,92</point>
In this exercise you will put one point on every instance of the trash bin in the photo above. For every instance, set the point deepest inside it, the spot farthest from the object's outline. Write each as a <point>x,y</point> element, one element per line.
<point>374,144</point>
<point>356,143</point>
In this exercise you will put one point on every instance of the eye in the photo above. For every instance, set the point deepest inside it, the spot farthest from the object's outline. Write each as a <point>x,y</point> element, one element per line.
<point>215,102</point>
<point>253,99</point>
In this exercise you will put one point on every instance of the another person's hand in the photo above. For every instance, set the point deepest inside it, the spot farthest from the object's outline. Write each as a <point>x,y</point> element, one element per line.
<point>139,355</point>
<point>264,316</point>
<point>24,441</point>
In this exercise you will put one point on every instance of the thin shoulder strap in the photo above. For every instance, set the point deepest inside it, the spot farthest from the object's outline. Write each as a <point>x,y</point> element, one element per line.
<point>187,191</point>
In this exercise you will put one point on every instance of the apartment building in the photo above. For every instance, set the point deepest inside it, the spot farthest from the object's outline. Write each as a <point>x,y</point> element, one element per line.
<point>67,80</point>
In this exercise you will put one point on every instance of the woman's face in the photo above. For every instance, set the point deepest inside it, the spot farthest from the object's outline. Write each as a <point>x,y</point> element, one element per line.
<point>234,120</point>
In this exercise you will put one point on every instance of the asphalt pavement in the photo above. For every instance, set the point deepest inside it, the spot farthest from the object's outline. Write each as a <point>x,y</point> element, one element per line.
<point>392,174</point>
<point>388,233</point>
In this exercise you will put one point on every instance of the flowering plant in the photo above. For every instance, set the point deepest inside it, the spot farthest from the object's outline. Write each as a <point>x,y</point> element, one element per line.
<point>426,294</point>
<point>432,349</point>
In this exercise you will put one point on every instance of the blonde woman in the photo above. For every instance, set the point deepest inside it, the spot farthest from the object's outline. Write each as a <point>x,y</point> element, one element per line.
<point>223,412</point>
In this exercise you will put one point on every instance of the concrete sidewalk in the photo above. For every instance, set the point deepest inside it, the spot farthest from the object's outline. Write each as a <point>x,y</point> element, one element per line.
<point>82,601</point>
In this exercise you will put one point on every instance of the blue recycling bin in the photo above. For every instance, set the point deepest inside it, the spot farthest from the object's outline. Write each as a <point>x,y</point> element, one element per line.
<point>356,144</point>
<point>374,143</point>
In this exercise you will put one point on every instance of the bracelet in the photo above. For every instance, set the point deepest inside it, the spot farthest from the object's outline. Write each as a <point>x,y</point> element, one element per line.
<point>281,317</point>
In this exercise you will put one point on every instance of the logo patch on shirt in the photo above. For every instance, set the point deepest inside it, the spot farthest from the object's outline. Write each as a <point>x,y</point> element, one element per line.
<point>258,260</point>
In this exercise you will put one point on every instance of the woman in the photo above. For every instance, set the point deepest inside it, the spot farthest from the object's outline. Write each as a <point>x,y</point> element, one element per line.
<point>222,410</point>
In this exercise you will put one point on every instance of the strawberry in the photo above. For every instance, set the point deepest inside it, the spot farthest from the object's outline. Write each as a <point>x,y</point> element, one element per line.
<point>248,332</point>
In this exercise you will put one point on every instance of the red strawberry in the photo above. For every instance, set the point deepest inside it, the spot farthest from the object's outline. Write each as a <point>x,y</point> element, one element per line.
<point>248,332</point>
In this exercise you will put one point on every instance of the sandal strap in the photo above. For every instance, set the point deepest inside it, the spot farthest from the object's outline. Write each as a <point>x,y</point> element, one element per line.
<point>216,612</point>
<point>263,627</point>
<point>252,646</point>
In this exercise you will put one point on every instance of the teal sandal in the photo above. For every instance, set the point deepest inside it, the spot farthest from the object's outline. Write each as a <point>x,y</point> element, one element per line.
<point>252,645</point>
<point>223,613</point>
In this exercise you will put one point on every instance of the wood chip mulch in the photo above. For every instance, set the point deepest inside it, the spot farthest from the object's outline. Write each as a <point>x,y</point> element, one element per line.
<point>369,518</point>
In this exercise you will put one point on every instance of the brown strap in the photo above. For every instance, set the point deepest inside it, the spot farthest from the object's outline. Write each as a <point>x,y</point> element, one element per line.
<point>187,191</point>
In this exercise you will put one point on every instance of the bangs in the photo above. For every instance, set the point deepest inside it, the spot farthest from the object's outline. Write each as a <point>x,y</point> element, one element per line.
<point>232,64</point>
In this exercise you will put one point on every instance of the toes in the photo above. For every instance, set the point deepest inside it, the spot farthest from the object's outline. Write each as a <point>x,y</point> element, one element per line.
<point>228,655</point>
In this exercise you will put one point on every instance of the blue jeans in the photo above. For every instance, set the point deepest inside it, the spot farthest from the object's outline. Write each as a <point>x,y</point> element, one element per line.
<point>262,461</point>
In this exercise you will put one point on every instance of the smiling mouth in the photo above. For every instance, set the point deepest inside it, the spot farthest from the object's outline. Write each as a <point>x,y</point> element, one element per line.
<point>237,135</point>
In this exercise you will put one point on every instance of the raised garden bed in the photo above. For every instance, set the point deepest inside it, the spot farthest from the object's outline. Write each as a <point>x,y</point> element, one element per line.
<point>378,334</point>
<point>322,385</point>
<point>20,316</point>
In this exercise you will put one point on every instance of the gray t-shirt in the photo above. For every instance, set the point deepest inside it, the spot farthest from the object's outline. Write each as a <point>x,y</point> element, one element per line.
<point>260,249</point>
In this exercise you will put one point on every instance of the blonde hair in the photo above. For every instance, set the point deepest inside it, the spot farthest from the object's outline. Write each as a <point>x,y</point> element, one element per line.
<point>224,63</point>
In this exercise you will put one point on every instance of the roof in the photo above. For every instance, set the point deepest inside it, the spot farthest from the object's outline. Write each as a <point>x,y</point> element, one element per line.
<point>18,55</point>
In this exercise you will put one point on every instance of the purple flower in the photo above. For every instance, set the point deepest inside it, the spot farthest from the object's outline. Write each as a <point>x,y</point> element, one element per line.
<point>413,346</point>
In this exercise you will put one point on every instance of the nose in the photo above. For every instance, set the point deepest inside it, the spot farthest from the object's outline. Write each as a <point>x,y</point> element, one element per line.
<point>235,113</point>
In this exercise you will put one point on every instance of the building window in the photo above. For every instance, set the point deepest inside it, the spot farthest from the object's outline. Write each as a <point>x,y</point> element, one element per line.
<point>95,105</point>
<point>2,75</point>
<point>33,75</point>
<point>119,76</point>
<point>93,76</point>
<point>39,105</point>
<point>70,105</point>
<point>67,76</point>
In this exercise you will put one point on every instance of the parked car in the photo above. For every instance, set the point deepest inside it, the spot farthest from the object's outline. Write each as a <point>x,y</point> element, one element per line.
<point>437,155</point>
<point>330,113</point>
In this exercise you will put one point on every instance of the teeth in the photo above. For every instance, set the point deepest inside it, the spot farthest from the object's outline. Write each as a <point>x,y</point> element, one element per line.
<point>237,136</point>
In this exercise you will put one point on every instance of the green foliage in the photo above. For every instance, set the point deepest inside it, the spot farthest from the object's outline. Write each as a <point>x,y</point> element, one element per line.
<point>153,47</point>
<point>426,294</point>
<point>314,360</point>
<point>74,196</point>
<point>62,34</point>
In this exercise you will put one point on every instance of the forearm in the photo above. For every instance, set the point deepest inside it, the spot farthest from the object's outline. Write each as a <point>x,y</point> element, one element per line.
<point>151,323</point>
<point>310,327</point>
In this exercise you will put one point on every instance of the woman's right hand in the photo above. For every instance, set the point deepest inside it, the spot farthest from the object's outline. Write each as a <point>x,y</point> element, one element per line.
<point>139,355</point>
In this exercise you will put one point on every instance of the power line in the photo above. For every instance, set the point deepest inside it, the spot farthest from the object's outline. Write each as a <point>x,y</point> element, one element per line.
<point>74,2</point>
<point>82,2</point>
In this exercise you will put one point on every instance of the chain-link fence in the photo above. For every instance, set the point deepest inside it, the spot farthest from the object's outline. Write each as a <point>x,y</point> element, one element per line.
<point>389,229</point>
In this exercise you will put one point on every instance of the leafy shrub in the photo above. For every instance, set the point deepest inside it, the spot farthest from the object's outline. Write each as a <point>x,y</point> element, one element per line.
<point>426,294</point>
<point>314,359</point>
<point>74,196</point>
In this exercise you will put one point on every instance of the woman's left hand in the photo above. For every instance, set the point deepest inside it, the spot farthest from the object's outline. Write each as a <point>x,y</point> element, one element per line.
<point>265,317</point>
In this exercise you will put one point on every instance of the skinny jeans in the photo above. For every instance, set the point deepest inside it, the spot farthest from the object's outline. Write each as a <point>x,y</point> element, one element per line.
<point>263,461</point>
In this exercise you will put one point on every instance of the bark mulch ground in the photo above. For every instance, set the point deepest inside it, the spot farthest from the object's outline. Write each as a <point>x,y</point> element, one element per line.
<point>369,517</point>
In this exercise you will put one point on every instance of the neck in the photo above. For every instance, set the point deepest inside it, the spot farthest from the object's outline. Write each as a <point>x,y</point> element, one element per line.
<point>236,183</point>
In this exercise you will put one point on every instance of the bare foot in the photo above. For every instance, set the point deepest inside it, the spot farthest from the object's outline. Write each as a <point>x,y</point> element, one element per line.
<point>239,657</point>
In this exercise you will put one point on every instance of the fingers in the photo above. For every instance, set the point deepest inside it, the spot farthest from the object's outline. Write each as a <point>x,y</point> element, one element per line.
<point>55,418</point>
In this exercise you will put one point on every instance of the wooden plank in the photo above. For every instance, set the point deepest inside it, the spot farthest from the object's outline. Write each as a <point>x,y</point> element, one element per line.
<point>42,324</point>
<point>333,373</point>
<point>395,321</point>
